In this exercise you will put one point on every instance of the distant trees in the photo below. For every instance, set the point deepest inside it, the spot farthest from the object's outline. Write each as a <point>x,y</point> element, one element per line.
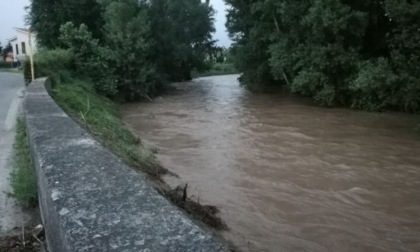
<point>363,54</point>
<point>182,34</point>
<point>7,49</point>
<point>129,48</point>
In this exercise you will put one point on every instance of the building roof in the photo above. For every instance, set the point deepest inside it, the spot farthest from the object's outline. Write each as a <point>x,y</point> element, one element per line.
<point>24,30</point>
<point>21,30</point>
<point>12,39</point>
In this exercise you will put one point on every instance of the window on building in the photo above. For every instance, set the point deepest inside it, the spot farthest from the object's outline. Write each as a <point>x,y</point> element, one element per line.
<point>17,49</point>
<point>23,48</point>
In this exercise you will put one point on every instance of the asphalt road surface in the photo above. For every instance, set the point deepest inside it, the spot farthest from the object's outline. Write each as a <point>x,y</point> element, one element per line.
<point>11,97</point>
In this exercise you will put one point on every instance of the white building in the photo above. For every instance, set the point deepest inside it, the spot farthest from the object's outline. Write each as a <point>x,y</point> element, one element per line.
<point>21,44</point>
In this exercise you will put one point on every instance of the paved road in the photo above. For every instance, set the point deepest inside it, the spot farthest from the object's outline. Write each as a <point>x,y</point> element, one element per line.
<point>11,96</point>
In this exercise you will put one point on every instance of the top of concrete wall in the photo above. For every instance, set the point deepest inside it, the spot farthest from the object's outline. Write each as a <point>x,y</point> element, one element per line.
<point>90,200</point>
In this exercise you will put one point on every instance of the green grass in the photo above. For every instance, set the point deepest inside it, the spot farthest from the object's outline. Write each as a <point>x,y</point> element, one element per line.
<point>23,179</point>
<point>99,116</point>
<point>217,69</point>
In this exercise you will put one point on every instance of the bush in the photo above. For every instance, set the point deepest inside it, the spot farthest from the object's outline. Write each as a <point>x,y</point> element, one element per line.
<point>57,64</point>
<point>128,32</point>
<point>8,64</point>
<point>410,93</point>
<point>23,179</point>
<point>315,84</point>
<point>93,60</point>
<point>216,69</point>
<point>376,87</point>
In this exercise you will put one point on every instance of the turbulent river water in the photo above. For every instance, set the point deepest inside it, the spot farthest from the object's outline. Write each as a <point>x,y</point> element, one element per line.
<point>288,175</point>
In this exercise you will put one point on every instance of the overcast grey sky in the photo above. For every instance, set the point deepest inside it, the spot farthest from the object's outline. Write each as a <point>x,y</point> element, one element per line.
<point>12,14</point>
<point>221,34</point>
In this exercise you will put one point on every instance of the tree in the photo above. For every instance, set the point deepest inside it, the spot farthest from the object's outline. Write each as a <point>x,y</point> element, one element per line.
<point>405,49</point>
<point>327,49</point>
<point>128,37</point>
<point>47,16</point>
<point>182,35</point>
<point>250,29</point>
<point>93,59</point>
<point>6,50</point>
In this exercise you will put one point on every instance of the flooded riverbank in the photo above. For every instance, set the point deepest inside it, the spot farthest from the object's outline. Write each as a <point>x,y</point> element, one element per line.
<point>285,174</point>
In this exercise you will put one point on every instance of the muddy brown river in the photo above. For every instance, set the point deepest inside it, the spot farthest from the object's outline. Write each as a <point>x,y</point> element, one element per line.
<point>285,174</point>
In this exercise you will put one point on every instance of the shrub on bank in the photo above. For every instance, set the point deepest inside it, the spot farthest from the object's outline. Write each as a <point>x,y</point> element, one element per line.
<point>217,69</point>
<point>371,88</point>
<point>23,179</point>
<point>57,64</point>
<point>8,64</point>
<point>99,116</point>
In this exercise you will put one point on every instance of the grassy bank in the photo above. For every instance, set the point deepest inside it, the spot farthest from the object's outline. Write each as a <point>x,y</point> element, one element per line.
<point>23,179</point>
<point>217,69</point>
<point>99,116</point>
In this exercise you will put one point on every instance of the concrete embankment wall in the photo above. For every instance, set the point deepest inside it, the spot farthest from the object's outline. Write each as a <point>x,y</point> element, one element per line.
<point>90,200</point>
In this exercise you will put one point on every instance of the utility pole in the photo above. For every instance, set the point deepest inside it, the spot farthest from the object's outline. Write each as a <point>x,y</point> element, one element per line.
<point>31,56</point>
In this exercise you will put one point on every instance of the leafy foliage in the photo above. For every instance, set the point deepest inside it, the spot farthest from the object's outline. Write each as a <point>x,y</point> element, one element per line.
<point>363,54</point>
<point>92,60</point>
<point>6,65</point>
<point>58,64</point>
<point>217,69</point>
<point>374,83</point>
<point>128,48</point>
<point>405,50</point>
<point>128,37</point>
<point>23,179</point>
<point>47,16</point>
<point>182,34</point>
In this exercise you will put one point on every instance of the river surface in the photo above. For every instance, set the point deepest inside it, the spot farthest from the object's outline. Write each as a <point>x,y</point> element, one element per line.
<point>288,175</point>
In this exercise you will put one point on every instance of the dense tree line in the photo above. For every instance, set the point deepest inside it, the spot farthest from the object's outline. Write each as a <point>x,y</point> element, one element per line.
<point>128,48</point>
<point>359,53</point>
